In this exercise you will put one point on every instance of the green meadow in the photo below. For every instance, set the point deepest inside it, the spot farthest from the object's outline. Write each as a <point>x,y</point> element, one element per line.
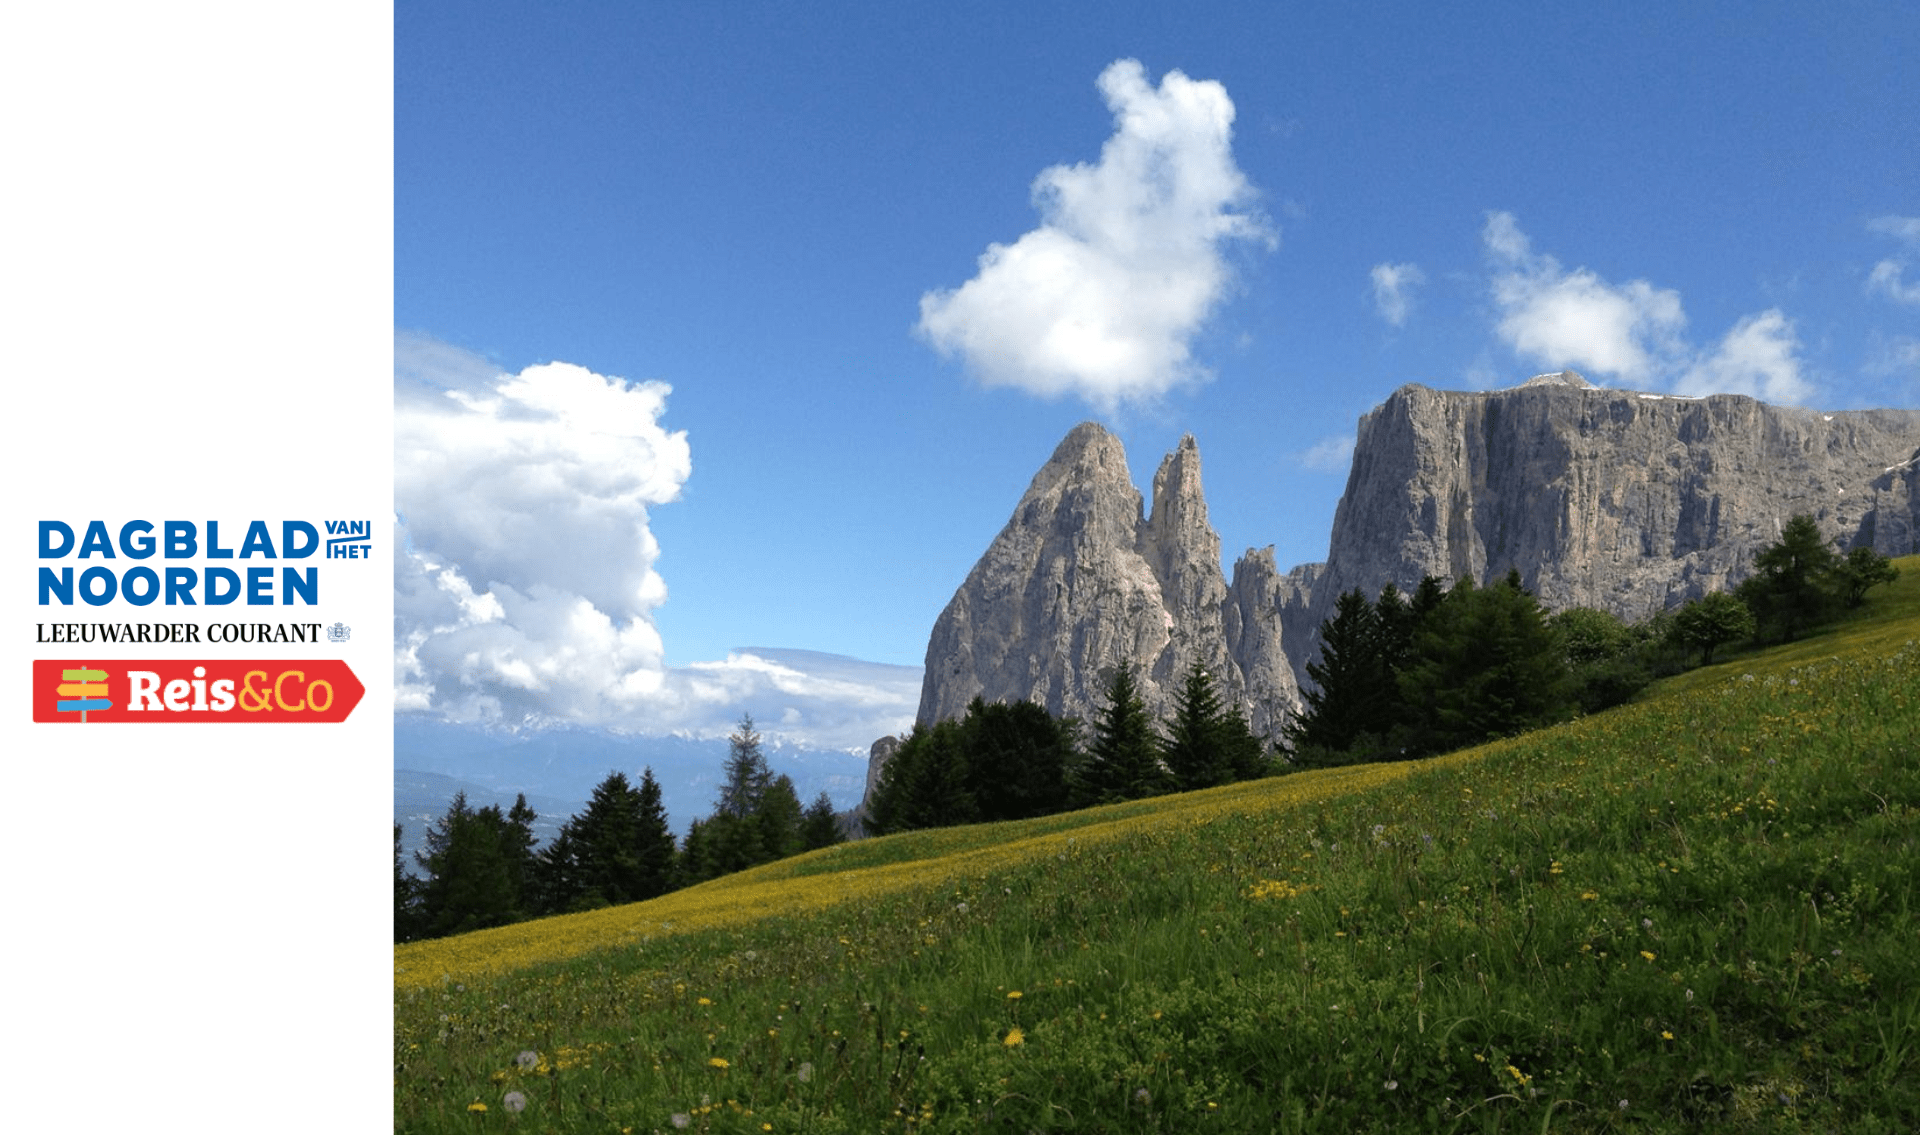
<point>1696,912</point>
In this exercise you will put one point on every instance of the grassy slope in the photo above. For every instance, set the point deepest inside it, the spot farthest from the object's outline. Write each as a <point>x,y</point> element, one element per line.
<point>1697,910</point>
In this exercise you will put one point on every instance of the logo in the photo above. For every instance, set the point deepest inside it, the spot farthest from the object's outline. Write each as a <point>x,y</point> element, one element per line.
<point>81,690</point>
<point>339,632</point>
<point>319,691</point>
<point>349,539</point>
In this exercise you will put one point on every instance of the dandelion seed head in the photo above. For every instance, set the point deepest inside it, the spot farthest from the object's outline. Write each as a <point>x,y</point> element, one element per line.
<point>527,1059</point>
<point>680,1119</point>
<point>514,1101</point>
<point>1391,1085</point>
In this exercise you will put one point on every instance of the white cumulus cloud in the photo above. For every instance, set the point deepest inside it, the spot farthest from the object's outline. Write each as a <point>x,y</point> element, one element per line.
<point>1632,332</point>
<point>1393,286</point>
<point>1759,357</point>
<point>1102,299</point>
<point>1889,276</point>
<point>1559,318</point>
<point>524,581</point>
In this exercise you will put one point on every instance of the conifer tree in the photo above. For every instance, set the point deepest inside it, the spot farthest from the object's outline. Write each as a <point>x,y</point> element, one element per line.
<point>654,847</point>
<point>1485,665</point>
<point>1194,748</point>
<point>1122,763</point>
<point>746,776</point>
<point>469,883</point>
<point>1792,587</point>
<point>1352,692</point>
<point>1016,757</point>
<point>778,820</point>
<point>820,825</point>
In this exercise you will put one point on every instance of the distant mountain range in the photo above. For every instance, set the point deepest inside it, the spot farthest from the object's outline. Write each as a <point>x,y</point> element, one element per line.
<point>558,767</point>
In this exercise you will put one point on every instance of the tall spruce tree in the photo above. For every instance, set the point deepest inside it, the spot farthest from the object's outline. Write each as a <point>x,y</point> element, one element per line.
<point>654,848</point>
<point>820,824</point>
<point>778,819</point>
<point>1208,742</point>
<point>1352,690</point>
<point>1485,665</point>
<point>469,883</point>
<point>1122,762</point>
<point>1792,586</point>
<point>746,776</point>
<point>1016,756</point>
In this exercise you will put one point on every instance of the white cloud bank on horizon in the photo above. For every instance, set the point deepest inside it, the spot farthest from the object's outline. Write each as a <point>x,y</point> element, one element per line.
<point>524,582</point>
<point>1888,276</point>
<point>1393,286</point>
<point>1631,332</point>
<point>1102,299</point>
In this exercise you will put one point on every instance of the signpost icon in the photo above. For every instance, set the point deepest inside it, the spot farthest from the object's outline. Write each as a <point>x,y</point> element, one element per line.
<point>85,689</point>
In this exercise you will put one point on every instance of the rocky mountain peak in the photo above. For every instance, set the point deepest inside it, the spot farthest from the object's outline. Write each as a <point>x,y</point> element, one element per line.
<point>1079,581</point>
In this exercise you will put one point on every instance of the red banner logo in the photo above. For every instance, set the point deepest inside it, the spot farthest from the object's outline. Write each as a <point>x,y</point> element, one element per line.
<point>174,690</point>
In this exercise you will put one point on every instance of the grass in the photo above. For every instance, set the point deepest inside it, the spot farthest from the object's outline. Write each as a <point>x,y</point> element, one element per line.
<point>1693,912</point>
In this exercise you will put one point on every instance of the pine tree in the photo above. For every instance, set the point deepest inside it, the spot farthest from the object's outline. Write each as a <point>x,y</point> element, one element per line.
<point>653,848</point>
<point>778,819</point>
<point>1352,692</point>
<point>469,884</point>
<point>1016,757</point>
<point>1792,586</point>
<point>820,825</point>
<point>746,776</point>
<point>1192,748</point>
<point>1122,763</point>
<point>1485,665</point>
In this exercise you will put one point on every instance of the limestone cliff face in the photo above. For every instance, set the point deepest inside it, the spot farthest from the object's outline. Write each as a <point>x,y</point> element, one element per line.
<point>1079,581</point>
<point>1615,499</point>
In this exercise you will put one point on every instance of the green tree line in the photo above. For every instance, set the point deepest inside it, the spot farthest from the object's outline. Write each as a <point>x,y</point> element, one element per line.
<point>480,867</point>
<point>1014,761</point>
<point>1400,677</point>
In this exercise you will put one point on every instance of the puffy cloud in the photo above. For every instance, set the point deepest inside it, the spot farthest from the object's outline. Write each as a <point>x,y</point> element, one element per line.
<point>1329,454</point>
<point>1889,276</point>
<point>1559,318</point>
<point>1758,358</point>
<point>1392,288</point>
<point>1101,300</point>
<point>524,583</point>
<point>1632,332</point>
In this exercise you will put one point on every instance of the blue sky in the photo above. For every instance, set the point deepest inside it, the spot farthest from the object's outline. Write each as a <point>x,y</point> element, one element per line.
<point>779,212</point>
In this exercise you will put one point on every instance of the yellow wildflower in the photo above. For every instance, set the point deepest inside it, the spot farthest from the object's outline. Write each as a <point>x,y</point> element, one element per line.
<point>1014,1037</point>
<point>476,1105</point>
<point>1647,954</point>
<point>719,1062</point>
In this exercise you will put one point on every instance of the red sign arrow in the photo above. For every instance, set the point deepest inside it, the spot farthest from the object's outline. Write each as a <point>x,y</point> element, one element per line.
<point>108,691</point>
